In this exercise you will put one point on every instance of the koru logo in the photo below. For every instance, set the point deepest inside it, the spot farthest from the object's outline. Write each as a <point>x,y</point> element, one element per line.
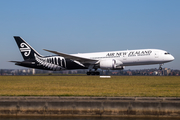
<point>25,48</point>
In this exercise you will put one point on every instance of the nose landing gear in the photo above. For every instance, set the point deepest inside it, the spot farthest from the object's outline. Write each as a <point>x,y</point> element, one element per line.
<point>160,66</point>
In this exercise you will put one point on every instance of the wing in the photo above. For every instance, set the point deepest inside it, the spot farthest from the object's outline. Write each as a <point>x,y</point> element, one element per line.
<point>76,58</point>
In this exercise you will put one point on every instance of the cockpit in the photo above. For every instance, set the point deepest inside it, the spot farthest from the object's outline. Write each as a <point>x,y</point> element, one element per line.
<point>166,53</point>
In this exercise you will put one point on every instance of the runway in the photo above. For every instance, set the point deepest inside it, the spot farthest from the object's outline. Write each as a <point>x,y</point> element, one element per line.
<point>90,106</point>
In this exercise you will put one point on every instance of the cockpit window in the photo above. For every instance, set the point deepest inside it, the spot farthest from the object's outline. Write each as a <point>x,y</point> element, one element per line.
<point>166,53</point>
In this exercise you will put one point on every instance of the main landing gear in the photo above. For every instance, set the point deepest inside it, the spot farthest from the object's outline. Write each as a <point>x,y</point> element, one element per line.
<point>93,73</point>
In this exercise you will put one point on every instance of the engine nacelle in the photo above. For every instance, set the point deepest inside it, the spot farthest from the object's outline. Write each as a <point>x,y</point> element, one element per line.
<point>111,64</point>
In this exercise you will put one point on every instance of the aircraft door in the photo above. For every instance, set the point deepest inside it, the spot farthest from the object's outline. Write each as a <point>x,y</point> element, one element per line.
<point>156,54</point>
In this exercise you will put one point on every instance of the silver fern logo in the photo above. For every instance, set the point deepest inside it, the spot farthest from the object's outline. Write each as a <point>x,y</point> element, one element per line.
<point>25,48</point>
<point>53,63</point>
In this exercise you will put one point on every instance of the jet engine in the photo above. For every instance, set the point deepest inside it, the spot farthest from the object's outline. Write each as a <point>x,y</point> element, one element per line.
<point>112,64</point>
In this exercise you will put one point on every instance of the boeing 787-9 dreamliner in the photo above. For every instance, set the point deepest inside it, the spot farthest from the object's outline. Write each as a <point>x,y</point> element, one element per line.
<point>112,60</point>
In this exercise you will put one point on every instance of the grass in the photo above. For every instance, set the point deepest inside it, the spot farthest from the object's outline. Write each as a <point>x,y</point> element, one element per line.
<point>149,86</point>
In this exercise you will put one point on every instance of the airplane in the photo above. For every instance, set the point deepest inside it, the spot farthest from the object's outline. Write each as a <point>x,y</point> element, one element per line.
<point>113,60</point>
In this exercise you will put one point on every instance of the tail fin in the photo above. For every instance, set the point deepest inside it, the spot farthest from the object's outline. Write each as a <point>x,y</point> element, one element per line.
<point>26,50</point>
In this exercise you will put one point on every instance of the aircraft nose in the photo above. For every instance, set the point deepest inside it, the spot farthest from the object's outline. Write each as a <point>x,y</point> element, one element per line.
<point>171,58</point>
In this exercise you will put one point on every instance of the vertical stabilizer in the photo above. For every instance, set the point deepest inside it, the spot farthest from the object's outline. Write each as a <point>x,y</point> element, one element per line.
<point>26,50</point>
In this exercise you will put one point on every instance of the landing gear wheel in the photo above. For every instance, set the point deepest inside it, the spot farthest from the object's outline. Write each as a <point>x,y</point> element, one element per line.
<point>160,68</point>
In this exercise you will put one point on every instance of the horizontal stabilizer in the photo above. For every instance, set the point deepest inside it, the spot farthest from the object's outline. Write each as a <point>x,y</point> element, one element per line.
<point>14,61</point>
<point>23,62</point>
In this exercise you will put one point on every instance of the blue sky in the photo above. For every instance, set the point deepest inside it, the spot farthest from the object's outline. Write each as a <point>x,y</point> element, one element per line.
<point>78,26</point>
